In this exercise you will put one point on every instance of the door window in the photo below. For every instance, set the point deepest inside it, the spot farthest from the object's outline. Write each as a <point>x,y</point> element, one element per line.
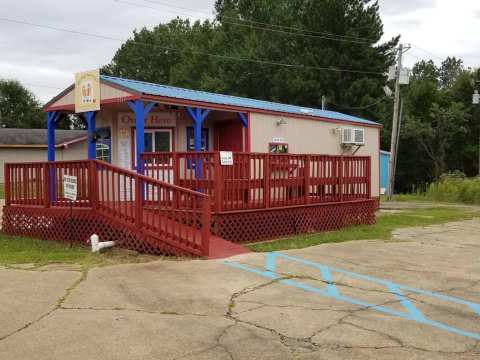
<point>158,140</point>
<point>155,140</point>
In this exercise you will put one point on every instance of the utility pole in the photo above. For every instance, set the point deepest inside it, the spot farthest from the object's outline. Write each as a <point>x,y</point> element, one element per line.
<point>394,140</point>
<point>476,101</point>
<point>400,119</point>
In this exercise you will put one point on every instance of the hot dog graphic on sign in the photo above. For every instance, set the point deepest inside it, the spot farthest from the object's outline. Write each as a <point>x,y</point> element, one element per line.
<point>87,91</point>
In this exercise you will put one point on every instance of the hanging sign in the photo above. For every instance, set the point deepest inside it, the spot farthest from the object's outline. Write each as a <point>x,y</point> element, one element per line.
<point>87,91</point>
<point>226,158</point>
<point>70,187</point>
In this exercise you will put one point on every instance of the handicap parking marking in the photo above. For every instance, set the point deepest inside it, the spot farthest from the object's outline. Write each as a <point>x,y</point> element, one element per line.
<point>330,290</point>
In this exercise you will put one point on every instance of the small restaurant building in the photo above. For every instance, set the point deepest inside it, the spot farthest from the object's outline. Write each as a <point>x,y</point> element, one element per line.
<point>178,171</point>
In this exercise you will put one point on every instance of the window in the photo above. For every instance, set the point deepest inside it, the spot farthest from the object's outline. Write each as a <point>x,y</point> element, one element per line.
<point>277,148</point>
<point>157,140</point>
<point>104,145</point>
<point>191,139</point>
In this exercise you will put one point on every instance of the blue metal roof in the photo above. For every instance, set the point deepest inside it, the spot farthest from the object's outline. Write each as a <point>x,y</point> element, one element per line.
<point>228,100</point>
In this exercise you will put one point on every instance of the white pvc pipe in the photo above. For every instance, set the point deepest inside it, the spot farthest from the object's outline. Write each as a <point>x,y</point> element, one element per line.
<point>98,245</point>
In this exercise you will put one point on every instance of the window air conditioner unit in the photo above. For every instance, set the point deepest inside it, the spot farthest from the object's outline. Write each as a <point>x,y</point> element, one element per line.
<point>351,136</point>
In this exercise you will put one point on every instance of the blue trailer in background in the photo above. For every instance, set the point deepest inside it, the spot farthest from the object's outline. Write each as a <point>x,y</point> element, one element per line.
<point>384,160</point>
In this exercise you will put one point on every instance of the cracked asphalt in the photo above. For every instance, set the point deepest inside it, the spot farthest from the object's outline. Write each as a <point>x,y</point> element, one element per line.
<point>208,310</point>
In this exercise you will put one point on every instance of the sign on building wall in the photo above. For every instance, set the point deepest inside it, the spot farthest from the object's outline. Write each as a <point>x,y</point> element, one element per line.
<point>87,91</point>
<point>278,140</point>
<point>160,119</point>
<point>226,158</point>
<point>70,187</point>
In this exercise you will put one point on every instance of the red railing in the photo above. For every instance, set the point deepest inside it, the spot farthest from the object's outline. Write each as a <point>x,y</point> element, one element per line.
<point>41,183</point>
<point>259,181</point>
<point>178,216</point>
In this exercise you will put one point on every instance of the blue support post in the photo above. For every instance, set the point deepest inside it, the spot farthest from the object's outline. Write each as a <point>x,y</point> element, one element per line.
<point>91,127</point>
<point>243,119</point>
<point>198,116</point>
<point>52,117</point>
<point>141,111</point>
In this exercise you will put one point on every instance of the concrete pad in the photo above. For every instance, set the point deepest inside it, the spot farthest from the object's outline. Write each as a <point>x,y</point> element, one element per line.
<point>209,310</point>
<point>112,334</point>
<point>292,322</point>
<point>187,287</point>
<point>26,296</point>
<point>347,335</point>
<point>412,334</point>
<point>245,342</point>
<point>383,354</point>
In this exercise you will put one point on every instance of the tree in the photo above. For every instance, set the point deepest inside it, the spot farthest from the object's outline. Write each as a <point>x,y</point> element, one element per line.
<point>440,130</point>
<point>201,55</point>
<point>436,132</point>
<point>356,21</point>
<point>18,106</point>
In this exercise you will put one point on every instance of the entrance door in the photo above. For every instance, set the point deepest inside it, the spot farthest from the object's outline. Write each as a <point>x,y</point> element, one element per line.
<point>229,136</point>
<point>159,140</point>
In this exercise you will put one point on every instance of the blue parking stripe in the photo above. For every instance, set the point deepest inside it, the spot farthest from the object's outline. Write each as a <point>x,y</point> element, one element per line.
<point>331,291</point>
<point>407,304</point>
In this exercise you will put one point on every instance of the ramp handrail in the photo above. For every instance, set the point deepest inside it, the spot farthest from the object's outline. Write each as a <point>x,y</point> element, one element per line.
<point>176,215</point>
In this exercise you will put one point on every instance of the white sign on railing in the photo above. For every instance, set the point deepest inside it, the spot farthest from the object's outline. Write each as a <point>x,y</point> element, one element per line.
<point>70,187</point>
<point>226,158</point>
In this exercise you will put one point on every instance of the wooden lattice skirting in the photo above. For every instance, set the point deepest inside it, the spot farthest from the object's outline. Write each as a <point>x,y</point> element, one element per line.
<point>56,224</point>
<point>243,226</point>
<point>258,225</point>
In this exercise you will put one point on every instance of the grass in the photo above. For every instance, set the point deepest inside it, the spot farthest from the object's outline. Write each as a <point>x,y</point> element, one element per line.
<point>2,193</point>
<point>448,190</point>
<point>381,230</point>
<point>20,250</point>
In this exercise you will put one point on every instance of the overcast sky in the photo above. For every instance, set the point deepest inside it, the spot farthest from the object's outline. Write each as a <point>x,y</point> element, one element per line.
<point>37,56</point>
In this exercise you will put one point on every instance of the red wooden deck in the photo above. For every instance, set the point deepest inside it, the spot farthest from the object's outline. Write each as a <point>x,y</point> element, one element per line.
<point>187,203</point>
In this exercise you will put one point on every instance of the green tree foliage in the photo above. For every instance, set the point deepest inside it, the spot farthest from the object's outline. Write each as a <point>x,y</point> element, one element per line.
<point>440,129</point>
<point>241,30</point>
<point>18,106</point>
<point>441,126</point>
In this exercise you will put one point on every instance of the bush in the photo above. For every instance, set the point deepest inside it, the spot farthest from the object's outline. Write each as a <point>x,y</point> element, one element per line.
<point>455,187</point>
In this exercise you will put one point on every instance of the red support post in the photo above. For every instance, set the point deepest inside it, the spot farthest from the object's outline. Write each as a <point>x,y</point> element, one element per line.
<point>340,179</point>
<point>93,188</point>
<point>176,177</point>
<point>206,219</point>
<point>218,183</point>
<point>176,168</point>
<point>138,202</point>
<point>248,134</point>
<point>6,185</point>
<point>369,177</point>
<point>266,181</point>
<point>46,185</point>
<point>306,170</point>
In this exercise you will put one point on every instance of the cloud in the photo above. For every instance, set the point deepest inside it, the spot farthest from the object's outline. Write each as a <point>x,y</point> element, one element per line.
<point>39,56</point>
<point>399,7</point>
<point>30,53</point>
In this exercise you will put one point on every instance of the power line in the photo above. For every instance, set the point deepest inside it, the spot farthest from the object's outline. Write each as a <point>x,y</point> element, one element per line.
<point>269,26</point>
<point>358,107</point>
<point>254,27</point>
<point>428,52</point>
<point>220,56</point>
